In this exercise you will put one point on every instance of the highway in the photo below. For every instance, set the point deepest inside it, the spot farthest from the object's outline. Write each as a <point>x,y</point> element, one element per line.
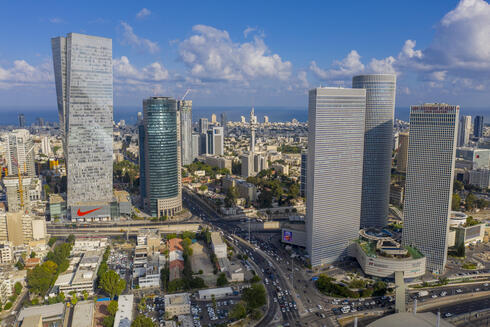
<point>267,269</point>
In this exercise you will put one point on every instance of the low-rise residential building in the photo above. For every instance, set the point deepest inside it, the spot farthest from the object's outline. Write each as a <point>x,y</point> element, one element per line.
<point>246,190</point>
<point>6,255</point>
<point>219,162</point>
<point>217,293</point>
<point>83,244</point>
<point>5,287</point>
<point>283,169</point>
<point>124,314</point>
<point>83,314</point>
<point>219,247</point>
<point>178,304</point>
<point>397,194</point>
<point>82,277</point>
<point>52,314</point>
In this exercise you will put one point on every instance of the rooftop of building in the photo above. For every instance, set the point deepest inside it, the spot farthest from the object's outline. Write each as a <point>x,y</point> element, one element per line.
<point>122,196</point>
<point>210,291</point>
<point>46,311</point>
<point>124,314</point>
<point>32,321</point>
<point>406,319</point>
<point>216,238</point>
<point>83,314</point>
<point>56,198</point>
<point>375,242</point>
<point>175,244</point>
<point>177,299</point>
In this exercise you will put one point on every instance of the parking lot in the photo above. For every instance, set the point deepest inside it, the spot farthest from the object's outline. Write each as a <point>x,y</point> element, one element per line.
<point>205,313</point>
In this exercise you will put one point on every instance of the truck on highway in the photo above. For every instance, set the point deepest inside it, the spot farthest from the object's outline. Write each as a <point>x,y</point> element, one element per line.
<point>423,293</point>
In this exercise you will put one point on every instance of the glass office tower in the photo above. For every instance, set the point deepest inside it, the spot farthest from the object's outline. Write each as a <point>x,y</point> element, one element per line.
<point>185,111</point>
<point>378,145</point>
<point>334,171</point>
<point>429,180</point>
<point>84,89</point>
<point>162,156</point>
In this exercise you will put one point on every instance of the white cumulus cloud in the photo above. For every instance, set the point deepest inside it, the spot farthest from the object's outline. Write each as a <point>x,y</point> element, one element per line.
<point>21,73</point>
<point>130,38</point>
<point>211,55</point>
<point>143,13</point>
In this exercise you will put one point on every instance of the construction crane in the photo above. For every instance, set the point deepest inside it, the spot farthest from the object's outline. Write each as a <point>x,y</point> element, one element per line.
<point>185,94</point>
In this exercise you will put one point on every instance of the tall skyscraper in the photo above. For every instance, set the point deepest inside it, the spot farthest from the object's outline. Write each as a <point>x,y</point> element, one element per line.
<point>253,128</point>
<point>161,148</point>
<point>213,118</point>
<point>215,141</point>
<point>20,153</point>
<point>196,145</point>
<point>22,121</point>
<point>478,127</point>
<point>223,123</point>
<point>464,130</point>
<point>141,144</point>
<point>378,145</point>
<point>203,125</point>
<point>429,180</point>
<point>185,110</point>
<point>334,171</point>
<point>402,156</point>
<point>84,89</point>
<point>266,119</point>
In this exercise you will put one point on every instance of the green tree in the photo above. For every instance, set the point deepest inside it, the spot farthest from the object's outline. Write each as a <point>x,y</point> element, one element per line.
<point>470,202</point>
<point>8,306</point>
<point>265,199</point>
<point>221,281</point>
<point>142,321</point>
<point>238,311</point>
<point>108,321</point>
<point>51,241</point>
<point>456,202</point>
<point>203,188</point>
<point>113,307</point>
<point>18,288</point>
<point>112,284</point>
<point>231,197</point>
<point>256,314</point>
<point>70,239</point>
<point>254,296</point>
<point>19,265</point>
<point>255,279</point>
<point>74,300</point>
<point>458,185</point>
<point>32,255</point>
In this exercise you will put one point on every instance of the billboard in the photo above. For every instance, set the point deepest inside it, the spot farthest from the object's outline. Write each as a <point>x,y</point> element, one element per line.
<point>287,236</point>
<point>89,212</point>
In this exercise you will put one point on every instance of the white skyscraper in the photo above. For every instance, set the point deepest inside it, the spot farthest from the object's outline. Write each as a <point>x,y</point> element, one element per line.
<point>185,110</point>
<point>429,180</point>
<point>84,89</point>
<point>20,153</point>
<point>464,130</point>
<point>334,171</point>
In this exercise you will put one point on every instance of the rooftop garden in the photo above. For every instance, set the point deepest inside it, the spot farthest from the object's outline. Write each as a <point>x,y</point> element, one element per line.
<point>414,253</point>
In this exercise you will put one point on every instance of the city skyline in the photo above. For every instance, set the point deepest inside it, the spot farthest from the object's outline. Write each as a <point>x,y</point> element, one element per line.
<point>170,62</point>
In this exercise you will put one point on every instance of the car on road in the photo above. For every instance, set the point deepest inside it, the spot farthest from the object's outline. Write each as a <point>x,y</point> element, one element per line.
<point>447,315</point>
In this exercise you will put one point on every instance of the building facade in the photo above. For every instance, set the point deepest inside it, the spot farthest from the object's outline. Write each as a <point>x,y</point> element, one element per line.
<point>84,89</point>
<point>478,127</point>
<point>185,110</point>
<point>302,185</point>
<point>378,145</point>
<point>162,157</point>
<point>464,130</point>
<point>429,180</point>
<point>402,156</point>
<point>203,125</point>
<point>334,171</point>
<point>20,153</point>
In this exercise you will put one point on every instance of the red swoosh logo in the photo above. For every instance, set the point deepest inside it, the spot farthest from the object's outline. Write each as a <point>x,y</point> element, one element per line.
<point>83,213</point>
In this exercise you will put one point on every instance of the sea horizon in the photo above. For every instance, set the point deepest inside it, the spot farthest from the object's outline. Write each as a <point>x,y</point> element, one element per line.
<point>9,116</point>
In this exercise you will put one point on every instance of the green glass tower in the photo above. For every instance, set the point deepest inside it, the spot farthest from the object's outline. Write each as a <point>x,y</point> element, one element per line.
<point>161,157</point>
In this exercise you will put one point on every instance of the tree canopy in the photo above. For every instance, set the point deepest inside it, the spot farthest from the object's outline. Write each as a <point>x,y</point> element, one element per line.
<point>112,284</point>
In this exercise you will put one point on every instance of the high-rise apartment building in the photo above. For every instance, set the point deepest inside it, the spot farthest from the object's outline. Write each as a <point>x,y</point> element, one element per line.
<point>196,144</point>
<point>247,161</point>
<point>185,110</point>
<point>223,123</point>
<point>478,127</point>
<point>378,145</point>
<point>161,152</point>
<point>402,156</point>
<point>84,89</point>
<point>429,180</point>
<point>203,125</point>
<point>334,171</point>
<point>213,118</point>
<point>464,130</point>
<point>22,121</point>
<point>218,139</point>
<point>20,153</point>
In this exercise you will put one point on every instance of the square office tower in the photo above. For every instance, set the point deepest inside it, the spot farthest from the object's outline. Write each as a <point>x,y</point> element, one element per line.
<point>429,180</point>
<point>334,171</point>
<point>84,89</point>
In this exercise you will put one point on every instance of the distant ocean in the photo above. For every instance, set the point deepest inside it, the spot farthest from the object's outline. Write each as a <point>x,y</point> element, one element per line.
<point>9,116</point>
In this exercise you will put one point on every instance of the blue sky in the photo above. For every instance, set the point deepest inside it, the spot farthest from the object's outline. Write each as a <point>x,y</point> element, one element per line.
<point>234,53</point>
